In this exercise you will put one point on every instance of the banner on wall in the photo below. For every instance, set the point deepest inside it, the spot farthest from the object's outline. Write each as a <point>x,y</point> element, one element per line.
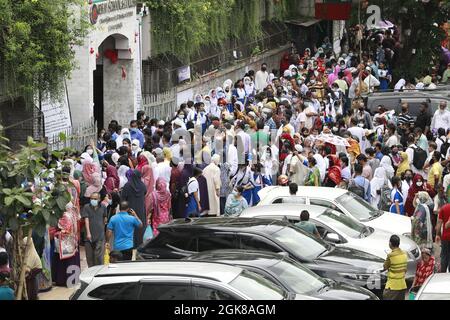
<point>333,9</point>
<point>184,73</point>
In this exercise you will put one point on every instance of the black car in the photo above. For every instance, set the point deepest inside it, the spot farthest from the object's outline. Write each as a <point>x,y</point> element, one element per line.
<point>287,273</point>
<point>182,238</point>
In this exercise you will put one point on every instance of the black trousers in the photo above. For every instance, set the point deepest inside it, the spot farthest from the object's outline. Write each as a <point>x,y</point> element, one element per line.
<point>127,255</point>
<point>223,200</point>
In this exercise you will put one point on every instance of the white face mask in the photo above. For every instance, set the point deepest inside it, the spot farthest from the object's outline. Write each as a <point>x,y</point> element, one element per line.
<point>126,136</point>
<point>90,152</point>
<point>135,148</point>
<point>181,116</point>
<point>419,184</point>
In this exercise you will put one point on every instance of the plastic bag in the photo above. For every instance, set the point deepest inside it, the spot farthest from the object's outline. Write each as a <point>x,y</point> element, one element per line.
<point>148,234</point>
<point>106,257</point>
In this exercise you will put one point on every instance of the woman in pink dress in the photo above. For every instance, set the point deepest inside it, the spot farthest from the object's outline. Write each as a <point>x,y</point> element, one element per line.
<point>161,204</point>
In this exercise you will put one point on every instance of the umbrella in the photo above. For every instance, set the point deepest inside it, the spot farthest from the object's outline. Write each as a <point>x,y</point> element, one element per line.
<point>383,25</point>
<point>333,139</point>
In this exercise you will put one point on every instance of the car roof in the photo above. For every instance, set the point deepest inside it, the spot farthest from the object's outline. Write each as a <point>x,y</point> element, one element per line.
<point>276,191</point>
<point>438,283</point>
<point>284,209</point>
<point>201,269</point>
<point>258,259</point>
<point>266,226</point>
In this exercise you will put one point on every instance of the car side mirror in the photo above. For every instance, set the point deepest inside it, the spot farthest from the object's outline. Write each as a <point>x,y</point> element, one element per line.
<point>332,237</point>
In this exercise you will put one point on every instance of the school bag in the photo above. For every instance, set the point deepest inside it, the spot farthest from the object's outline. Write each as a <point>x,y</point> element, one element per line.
<point>355,188</point>
<point>444,147</point>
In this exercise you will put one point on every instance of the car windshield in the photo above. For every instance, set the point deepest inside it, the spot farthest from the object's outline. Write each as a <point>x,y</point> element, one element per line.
<point>357,207</point>
<point>257,287</point>
<point>344,224</point>
<point>301,244</point>
<point>298,278</point>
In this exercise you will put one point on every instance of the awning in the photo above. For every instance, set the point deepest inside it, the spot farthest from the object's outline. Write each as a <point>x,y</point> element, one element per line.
<point>303,22</point>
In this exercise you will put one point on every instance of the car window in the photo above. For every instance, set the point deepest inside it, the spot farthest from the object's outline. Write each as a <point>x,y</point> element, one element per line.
<point>252,242</point>
<point>256,287</point>
<point>303,245</point>
<point>217,242</point>
<point>204,293</point>
<point>342,223</point>
<point>357,207</point>
<point>183,244</point>
<point>116,291</point>
<point>162,291</point>
<point>323,203</point>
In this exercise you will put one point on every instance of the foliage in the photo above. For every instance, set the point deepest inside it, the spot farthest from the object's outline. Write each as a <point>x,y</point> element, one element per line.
<point>36,39</point>
<point>24,199</point>
<point>424,21</point>
<point>183,27</point>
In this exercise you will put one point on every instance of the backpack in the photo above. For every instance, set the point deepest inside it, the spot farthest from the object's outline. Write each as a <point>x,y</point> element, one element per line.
<point>355,188</point>
<point>420,156</point>
<point>444,147</point>
<point>385,198</point>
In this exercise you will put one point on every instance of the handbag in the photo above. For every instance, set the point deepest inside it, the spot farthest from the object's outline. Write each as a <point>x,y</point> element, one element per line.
<point>148,234</point>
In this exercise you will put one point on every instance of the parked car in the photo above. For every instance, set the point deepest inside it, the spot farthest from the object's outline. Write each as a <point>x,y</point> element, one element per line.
<point>175,280</point>
<point>287,273</point>
<point>180,238</point>
<point>436,287</point>
<point>337,228</point>
<point>393,100</point>
<point>341,200</point>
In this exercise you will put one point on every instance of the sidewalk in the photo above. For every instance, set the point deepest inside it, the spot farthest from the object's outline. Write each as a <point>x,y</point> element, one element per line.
<point>63,293</point>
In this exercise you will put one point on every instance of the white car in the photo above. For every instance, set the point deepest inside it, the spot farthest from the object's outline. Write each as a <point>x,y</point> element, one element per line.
<point>436,287</point>
<point>336,227</point>
<point>340,200</point>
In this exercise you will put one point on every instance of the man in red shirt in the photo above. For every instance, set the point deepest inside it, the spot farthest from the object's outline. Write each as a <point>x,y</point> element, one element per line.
<point>443,235</point>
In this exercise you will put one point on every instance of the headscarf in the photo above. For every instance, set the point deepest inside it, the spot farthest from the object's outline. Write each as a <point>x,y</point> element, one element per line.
<point>425,201</point>
<point>32,259</point>
<point>135,182</point>
<point>386,163</point>
<point>404,165</point>
<point>335,171</point>
<point>413,190</point>
<point>400,85</point>
<point>161,195</point>
<point>71,164</point>
<point>148,178</point>
<point>142,161</point>
<point>112,179</point>
<point>186,173</point>
<point>122,173</point>
<point>167,154</point>
<point>92,177</point>
<point>150,158</point>
<point>379,179</point>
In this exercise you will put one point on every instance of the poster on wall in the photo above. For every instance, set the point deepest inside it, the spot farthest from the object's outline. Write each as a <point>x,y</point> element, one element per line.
<point>184,73</point>
<point>57,116</point>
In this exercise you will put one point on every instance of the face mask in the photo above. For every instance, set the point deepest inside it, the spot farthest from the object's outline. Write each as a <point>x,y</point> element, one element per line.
<point>135,148</point>
<point>408,178</point>
<point>90,152</point>
<point>419,184</point>
<point>126,136</point>
<point>110,201</point>
<point>181,116</point>
<point>94,203</point>
<point>263,69</point>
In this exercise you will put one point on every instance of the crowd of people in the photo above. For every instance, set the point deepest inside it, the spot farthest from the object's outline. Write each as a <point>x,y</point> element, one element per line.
<point>306,124</point>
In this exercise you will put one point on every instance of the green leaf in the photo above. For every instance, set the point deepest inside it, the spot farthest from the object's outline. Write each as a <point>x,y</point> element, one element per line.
<point>8,201</point>
<point>6,191</point>
<point>61,202</point>
<point>26,202</point>
<point>46,215</point>
<point>40,229</point>
<point>62,136</point>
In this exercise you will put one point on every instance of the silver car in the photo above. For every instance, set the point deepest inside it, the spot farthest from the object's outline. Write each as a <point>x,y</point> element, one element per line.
<point>337,228</point>
<point>436,287</point>
<point>175,280</point>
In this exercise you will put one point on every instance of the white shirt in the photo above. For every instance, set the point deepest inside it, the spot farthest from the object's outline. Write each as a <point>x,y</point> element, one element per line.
<point>301,118</point>
<point>371,82</point>
<point>441,119</point>
<point>232,159</point>
<point>201,116</point>
<point>346,174</point>
<point>392,141</point>
<point>175,149</point>
<point>261,80</point>
<point>193,187</point>
<point>246,140</point>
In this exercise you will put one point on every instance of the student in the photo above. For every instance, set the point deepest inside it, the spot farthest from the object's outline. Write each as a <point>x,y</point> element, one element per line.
<point>6,293</point>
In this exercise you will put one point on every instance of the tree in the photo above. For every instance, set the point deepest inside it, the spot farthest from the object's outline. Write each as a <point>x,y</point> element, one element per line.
<point>36,41</point>
<point>26,205</point>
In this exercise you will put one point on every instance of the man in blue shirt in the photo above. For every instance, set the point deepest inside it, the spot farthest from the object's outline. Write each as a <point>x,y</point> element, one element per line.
<point>135,133</point>
<point>362,183</point>
<point>122,225</point>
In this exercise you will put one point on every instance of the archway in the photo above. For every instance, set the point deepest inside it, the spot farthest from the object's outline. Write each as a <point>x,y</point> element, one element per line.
<point>112,80</point>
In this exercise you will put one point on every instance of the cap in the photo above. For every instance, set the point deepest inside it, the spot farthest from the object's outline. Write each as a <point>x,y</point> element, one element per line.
<point>178,122</point>
<point>157,151</point>
<point>161,123</point>
<point>299,148</point>
<point>175,161</point>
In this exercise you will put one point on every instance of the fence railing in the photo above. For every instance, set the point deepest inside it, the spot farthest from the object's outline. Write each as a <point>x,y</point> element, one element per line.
<point>160,105</point>
<point>76,137</point>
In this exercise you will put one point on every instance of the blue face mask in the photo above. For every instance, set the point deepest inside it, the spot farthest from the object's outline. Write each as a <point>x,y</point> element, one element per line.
<point>94,203</point>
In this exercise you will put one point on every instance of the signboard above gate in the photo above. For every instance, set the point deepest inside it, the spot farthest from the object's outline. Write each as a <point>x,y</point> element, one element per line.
<point>333,9</point>
<point>101,7</point>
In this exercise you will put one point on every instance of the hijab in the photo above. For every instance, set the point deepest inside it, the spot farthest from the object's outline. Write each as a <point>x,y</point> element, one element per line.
<point>135,182</point>
<point>161,193</point>
<point>379,180</point>
<point>186,173</point>
<point>386,163</point>
<point>400,85</point>
<point>413,190</point>
<point>112,175</point>
<point>142,161</point>
<point>148,178</point>
<point>32,259</point>
<point>404,164</point>
<point>122,175</point>
<point>425,201</point>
